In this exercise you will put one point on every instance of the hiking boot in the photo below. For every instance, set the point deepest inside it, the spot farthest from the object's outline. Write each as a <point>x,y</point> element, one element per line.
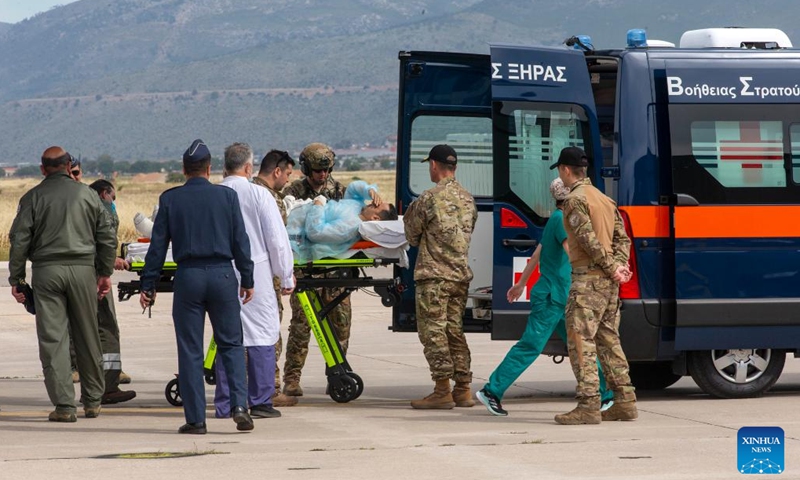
<point>60,416</point>
<point>92,412</point>
<point>264,411</point>
<point>491,403</point>
<point>283,400</point>
<point>441,398</point>
<point>124,378</point>
<point>586,413</point>
<point>621,411</point>
<point>462,395</point>
<point>242,418</point>
<point>76,377</point>
<point>292,389</point>
<point>117,397</point>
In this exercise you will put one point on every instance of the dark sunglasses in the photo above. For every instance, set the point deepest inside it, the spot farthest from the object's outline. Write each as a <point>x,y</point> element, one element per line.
<point>329,170</point>
<point>75,173</point>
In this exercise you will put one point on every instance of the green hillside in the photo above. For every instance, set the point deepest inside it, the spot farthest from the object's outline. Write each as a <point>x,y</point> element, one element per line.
<point>139,79</point>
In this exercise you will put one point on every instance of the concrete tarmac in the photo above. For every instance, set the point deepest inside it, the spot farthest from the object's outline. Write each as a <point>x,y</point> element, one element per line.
<point>681,433</point>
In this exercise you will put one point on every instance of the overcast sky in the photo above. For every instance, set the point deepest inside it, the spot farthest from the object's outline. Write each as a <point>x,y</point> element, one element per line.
<point>12,11</point>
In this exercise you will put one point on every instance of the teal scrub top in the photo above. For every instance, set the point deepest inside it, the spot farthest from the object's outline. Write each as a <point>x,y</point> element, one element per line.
<point>553,263</point>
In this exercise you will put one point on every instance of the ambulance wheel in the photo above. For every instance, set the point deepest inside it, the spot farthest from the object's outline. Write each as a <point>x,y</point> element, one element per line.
<point>652,376</point>
<point>173,393</point>
<point>346,390</point>
<point>359,384</point>
<point>741,373</point>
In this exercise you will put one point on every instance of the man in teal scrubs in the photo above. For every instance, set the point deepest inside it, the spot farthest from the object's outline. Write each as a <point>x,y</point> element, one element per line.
<point>548,303</point>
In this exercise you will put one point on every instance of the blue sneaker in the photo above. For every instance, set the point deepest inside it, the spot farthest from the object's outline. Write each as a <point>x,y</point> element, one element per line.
<point>491,403</point>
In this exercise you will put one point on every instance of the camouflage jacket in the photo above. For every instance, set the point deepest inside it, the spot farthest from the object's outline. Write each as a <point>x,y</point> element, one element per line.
<point>595,232</point>
<point>276,194</point>
<point>301,190</point>
<point>440,222</point>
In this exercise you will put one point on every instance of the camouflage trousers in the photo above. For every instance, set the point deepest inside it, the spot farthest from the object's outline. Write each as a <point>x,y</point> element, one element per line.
<point>440,324</point>
<point>592,318</point>
<point>300,332</point>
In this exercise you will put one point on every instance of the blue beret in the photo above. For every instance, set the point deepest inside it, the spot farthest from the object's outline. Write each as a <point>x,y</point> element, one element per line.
<point>196,152</point>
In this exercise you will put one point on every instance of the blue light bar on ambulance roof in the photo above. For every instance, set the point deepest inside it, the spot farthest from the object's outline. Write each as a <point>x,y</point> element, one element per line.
<point>586,40</point>
<point>637,38</point>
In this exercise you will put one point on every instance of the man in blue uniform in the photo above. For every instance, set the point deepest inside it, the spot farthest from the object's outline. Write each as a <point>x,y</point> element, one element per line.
<point>204,223</point>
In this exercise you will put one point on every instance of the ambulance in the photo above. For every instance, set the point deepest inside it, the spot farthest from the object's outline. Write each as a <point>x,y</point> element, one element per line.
<point>699,145</point>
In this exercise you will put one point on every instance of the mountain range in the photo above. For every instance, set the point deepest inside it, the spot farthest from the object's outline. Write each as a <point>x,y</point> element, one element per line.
<point>140,79</point>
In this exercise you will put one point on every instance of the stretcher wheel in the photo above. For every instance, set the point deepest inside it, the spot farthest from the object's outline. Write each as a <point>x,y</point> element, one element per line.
<point>359,384</point>
<point>211,377</point>
<point>343,389</point>
<point>173,393</point>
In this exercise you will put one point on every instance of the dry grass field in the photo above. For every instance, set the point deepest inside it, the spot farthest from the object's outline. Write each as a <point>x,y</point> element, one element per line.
<point>140,193</point>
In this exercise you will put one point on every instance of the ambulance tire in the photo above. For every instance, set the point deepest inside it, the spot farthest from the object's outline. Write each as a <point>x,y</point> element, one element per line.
<point>718,380</point>
<point>653,375</point>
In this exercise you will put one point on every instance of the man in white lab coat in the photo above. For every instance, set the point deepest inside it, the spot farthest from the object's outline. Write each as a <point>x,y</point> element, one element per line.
<point>272,255</point>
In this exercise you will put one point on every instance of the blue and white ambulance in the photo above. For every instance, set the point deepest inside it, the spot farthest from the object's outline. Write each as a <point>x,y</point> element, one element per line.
<point>698,144</point>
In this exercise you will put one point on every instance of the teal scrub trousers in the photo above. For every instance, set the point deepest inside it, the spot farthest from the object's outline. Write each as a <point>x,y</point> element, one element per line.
<point>545,317</point>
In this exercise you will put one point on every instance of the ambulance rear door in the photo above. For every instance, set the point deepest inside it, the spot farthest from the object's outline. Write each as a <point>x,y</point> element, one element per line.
<point>446,98</point>
<point>541,102</point>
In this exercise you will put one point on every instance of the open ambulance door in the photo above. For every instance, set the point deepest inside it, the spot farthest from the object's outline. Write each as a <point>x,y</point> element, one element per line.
<point>542,101</point>
<point>446,98</point>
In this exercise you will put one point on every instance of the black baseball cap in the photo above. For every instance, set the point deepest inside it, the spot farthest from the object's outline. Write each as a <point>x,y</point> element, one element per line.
<point>442,153</point>
<point>573,156</point>
<point>196,152</point>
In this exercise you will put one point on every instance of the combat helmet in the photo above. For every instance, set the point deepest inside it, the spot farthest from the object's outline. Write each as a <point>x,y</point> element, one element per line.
<point>316,156</point>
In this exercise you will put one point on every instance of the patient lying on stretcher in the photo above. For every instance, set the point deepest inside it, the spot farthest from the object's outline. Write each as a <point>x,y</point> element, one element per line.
<point>323,229</point>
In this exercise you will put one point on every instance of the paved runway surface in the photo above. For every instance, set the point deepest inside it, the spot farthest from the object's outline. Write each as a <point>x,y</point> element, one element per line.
<point>681,433</point>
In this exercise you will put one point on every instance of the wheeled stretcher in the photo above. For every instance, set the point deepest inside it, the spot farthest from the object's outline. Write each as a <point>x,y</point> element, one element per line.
<point>347,274</point>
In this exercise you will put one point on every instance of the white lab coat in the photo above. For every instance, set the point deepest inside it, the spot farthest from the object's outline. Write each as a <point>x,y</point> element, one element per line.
<point>271,254</point>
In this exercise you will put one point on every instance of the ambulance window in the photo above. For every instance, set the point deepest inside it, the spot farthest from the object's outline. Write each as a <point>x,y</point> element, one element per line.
<point>794,133</point>
<point>536,133</point>
<point>735,153</point>
<point>471,137</point>
<point>740,154</point>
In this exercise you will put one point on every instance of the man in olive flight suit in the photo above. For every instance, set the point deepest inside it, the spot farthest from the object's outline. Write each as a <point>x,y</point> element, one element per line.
<point>70,273</point>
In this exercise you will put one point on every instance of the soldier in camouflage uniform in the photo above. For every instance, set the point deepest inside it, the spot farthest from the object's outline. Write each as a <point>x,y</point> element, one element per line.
<point>316,163</point>
<point>598,249</point>
<point>440,223</point>
<point>276,170</point>
<point>106,313</point>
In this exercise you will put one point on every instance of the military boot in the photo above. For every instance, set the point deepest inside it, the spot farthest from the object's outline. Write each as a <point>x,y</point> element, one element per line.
<point>462,395</point>
<point>586,413</point>
<point>292,389</point>
<point>283,400</point>
<point>625,411</point>
<point>441,398</point>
